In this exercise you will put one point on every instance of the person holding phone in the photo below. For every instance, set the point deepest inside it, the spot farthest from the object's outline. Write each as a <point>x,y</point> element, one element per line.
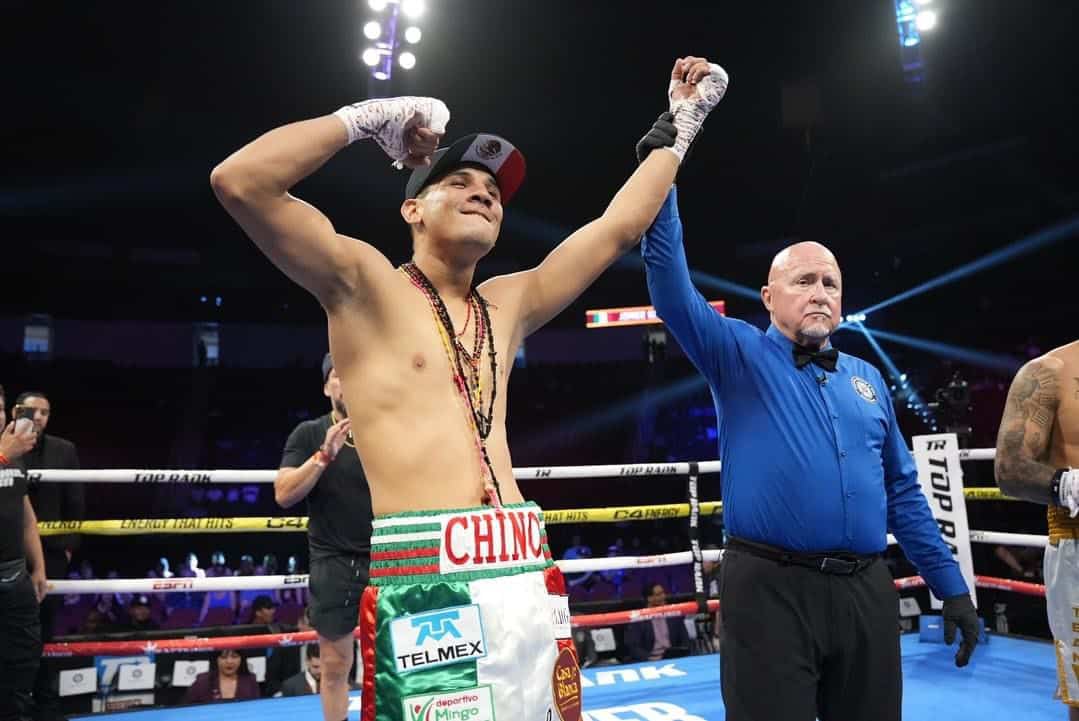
<point>22,573</point>
<point>51,502</point>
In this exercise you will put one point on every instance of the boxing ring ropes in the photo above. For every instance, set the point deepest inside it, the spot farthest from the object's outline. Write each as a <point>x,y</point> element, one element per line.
<point>692,509</point>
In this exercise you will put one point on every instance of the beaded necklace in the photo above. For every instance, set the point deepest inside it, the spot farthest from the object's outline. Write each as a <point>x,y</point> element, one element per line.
<point>462,361</point>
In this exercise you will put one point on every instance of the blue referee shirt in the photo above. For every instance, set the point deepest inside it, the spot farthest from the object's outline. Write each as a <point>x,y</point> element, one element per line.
<point>812,461</point>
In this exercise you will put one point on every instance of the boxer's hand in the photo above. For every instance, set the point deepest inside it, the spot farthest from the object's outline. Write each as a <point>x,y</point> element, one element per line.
<point>959,612</point>
<point>696,86</point>
<point>662,135</point>
<point>1069,491</point>
<point>406,128</point>
<point>686,76</point>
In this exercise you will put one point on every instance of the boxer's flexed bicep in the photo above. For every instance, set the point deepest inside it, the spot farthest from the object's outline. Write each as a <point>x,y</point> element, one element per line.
<point>253,185</point>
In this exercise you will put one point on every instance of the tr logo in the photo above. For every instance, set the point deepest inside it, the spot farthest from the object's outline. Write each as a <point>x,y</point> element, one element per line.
<point>437,626</point>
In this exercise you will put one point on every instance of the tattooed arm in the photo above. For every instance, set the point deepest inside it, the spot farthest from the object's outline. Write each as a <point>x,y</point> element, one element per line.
<point>1021,466</point>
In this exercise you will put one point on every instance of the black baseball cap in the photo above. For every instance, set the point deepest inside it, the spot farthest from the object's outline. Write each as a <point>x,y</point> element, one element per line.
<point>327,366</point>
<point>493,152</point>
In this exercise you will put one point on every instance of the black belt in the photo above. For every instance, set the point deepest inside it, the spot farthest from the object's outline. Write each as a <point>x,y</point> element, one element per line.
<point>833,563</point>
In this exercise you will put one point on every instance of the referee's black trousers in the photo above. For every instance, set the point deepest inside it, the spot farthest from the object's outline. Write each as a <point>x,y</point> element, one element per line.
<point>799,644</point>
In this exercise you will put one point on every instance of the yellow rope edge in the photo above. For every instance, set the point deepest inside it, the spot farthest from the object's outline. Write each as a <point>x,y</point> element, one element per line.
<point>138,526</point>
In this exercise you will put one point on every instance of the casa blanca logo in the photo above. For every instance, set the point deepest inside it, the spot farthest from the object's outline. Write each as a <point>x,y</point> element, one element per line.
<point>437,638</point>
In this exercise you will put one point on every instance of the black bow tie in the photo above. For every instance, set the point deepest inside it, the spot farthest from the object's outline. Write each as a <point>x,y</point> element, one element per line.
<point>826,359</point>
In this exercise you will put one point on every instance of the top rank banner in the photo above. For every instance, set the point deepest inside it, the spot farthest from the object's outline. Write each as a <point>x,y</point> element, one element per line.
<point>941,478</point>
<point>635,315</point>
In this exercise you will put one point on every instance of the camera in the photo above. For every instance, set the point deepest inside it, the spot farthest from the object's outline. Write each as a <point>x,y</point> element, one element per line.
<point>953,408</point>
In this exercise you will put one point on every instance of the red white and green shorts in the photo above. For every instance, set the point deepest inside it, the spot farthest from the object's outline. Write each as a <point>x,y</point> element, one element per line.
<point>466,618</point>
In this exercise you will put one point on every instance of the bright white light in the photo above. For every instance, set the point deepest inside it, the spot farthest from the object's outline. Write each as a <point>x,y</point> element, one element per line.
<point>923,2</point>
<point>926,20</point>
<point>412,8</point>
<point>371,57</point>
<point>903,377</point>
<point>377,5</point>
<point>413,34</point>
<point>407,60</point>
<point>372,30</point>
<point>381,75</point>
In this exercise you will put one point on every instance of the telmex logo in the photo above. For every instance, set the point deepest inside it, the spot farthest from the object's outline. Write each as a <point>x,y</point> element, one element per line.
<point>437,638</point>
<point>436,626</point>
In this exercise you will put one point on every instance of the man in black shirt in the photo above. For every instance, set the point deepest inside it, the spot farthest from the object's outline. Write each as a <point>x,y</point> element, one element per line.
<point>20,589</point>
<point>320,463</point>
<point>51,502</point>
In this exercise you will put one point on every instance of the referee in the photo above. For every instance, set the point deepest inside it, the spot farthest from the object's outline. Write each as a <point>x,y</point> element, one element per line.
<point>320,464</point>
<point>815,473</point>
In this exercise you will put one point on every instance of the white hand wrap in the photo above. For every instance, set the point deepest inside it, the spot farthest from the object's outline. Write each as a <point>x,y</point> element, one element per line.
<point>1069,491</point>
<point>689,113</point>
<point>385,120</point>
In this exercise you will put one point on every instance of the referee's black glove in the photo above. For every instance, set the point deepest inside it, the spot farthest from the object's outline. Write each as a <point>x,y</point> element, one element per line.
<point>959,612</point>
<point>661,135</point>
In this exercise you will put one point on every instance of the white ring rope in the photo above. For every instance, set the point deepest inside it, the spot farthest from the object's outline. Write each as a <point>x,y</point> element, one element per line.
<point>134,475</point>
<point>614,470</point>
<point>576,565</point>
<point>178,585</point>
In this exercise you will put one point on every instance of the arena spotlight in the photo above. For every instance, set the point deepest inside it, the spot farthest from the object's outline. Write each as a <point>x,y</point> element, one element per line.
<point>407,60</point>
<point>370,57</point>
<point>926,20</point>
<point>412,8</point>
<point>372,30</point>
<point>1029,244</point>
<point>902,386</point>
<point>412,34</point>
<point>978,358</point>
<point>377,5</point>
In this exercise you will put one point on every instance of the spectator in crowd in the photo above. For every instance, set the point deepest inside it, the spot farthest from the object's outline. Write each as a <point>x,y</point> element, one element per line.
<point>576,550</point>
<point>229,679</point>
<point>139,615</point>
<point>51,502</point>
<point>263,610</point>
<point>656,638</point>
<point>218,599</point>
<point>306,681</point>
<point>95,623</point>
<point>287,661</point>
<point>246,597</point>
<point>191,567</point>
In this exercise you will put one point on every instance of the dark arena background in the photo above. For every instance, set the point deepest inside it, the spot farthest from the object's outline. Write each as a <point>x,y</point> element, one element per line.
<point>930,144</point>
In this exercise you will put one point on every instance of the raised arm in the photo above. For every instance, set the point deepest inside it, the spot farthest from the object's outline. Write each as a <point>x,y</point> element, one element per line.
<point>1021,464</point>
<point>253,185</point>
<point>695,88</point>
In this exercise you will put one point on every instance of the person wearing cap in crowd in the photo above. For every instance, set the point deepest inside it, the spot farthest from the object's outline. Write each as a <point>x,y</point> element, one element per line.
<point>460,572</point>
<point>320,464</point>
<point>140,615</point>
